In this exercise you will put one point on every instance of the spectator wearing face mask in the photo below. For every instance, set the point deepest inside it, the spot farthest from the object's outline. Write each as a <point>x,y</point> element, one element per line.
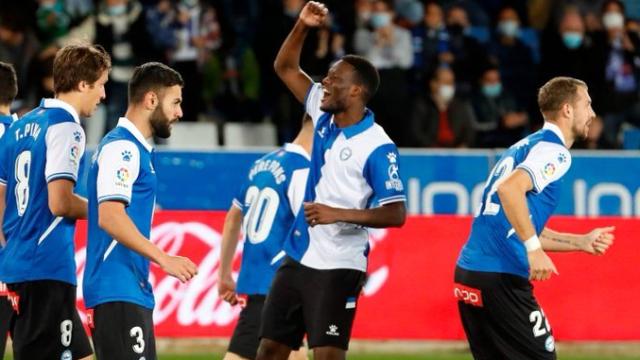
<point>440,118</point>
<point>618,68</point>
<point>514,58</point>
<point>500,121</point>
<point>462,53</point>
<point>568,50</point>
<point>388,47</point>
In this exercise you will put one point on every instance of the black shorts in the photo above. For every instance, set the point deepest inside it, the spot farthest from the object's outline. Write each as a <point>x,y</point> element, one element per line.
<point>245,340</point>
<point>123,331</point>
<point>321,303</point>
<point>6,313</point>
<point>46,324</point>
<point>501,317</point>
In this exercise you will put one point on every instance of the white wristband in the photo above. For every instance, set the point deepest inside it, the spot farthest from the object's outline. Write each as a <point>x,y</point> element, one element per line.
<point>532,244</point>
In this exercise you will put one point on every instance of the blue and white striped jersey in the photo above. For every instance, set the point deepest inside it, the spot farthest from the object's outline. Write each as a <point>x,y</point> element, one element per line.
<point>46,144</point>
<point>269,201</point>
<point>121,170</point>
<point>493,245</point>
<point>355,167</point>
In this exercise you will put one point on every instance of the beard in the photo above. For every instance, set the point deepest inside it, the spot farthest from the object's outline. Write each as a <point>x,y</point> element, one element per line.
<point>335,107</point>
<point>160,123</point>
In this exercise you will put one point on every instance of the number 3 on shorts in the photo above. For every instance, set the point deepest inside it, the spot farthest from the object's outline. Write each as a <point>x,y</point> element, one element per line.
<point>66,329</point>
<point>136,332</point>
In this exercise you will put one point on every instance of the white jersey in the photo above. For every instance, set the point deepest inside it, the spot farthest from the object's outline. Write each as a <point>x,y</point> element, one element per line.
<point>352,168</point>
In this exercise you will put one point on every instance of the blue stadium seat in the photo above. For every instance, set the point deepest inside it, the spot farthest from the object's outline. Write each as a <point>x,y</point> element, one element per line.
<point>480,33</point>
<point>631,139</point>
<point>529,37</point>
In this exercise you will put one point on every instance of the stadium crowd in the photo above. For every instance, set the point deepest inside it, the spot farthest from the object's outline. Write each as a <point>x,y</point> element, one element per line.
<point>454,73</point>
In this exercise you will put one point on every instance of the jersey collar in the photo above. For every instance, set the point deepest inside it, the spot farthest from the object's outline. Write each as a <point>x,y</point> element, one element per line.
<point>355,129</point>
<point>127,124</point>
<point>556,130</point>
<point>57,103</point>
<point>297,149</point>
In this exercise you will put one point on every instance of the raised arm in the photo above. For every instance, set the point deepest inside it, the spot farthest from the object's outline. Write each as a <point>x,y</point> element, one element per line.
<point>287,63</point>
<point>512,193</point>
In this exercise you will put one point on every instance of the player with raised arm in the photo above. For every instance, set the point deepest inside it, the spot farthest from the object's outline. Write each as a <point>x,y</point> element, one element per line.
<point>8,92</point>
<point>354,183</point>
<point>122,193</point>
<point>264,208</point>
<point>506,247</point>
<point>38,171</point>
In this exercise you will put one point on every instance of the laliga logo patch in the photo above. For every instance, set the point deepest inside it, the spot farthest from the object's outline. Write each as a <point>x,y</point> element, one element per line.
<point>345,154</point>
<point>123,174</point>
<point>74,154</point>
<point>549,170</point>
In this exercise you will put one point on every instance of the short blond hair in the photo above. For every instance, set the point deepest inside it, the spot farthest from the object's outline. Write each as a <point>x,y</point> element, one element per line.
<point>557,91</point>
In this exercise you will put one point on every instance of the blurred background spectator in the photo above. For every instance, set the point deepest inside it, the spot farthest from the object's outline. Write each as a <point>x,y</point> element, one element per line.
<point>440,118</point>
<point>496,51</point>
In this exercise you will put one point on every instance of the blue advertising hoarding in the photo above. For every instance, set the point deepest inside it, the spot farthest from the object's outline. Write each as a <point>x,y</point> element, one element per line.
<point>436,181</point>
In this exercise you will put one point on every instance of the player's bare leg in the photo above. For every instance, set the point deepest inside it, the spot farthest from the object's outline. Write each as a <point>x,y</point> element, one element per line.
<point>294,355</point>
<point>90,357</point>
<point>329,353</point>
<point>272,350</point>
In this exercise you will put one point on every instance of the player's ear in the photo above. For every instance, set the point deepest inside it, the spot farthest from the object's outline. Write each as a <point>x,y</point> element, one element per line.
<point>150,100</point>
<point>83,86</point>
<point>356,91</point>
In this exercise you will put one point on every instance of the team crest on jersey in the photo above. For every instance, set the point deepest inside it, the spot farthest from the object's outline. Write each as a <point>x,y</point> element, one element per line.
<point>77,136</point>
<point>549,170</point>
<point>345,154</point>
<point>126,155</point>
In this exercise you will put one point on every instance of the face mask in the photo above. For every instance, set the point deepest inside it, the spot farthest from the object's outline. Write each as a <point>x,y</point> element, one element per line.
<point>380,19</point>
<point>572,39</point>
<point>508,28</point>
<point>446,92</point>
<point>116,10</point>
<point>492,90</point>
<point>613,20</point>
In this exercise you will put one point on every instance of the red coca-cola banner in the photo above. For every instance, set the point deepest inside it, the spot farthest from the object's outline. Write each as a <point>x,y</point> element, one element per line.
<point>409,294</point>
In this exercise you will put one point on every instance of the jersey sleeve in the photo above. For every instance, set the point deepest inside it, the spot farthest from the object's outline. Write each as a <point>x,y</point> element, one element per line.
<point>65,147</point>
<point>382,173</point>
<point>546,162</point>
<point>238,199</point>
<point>118,169</point>
<point>297,187</point>
<point>312,102</point>
<point>3,159</point>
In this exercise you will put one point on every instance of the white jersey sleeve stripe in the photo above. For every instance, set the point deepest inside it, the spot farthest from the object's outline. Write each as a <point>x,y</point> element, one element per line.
<point>61,175</point>
<point>392,199</point>
<point>3,182</point>
<point>529,171</point>
<point>236,203</point>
